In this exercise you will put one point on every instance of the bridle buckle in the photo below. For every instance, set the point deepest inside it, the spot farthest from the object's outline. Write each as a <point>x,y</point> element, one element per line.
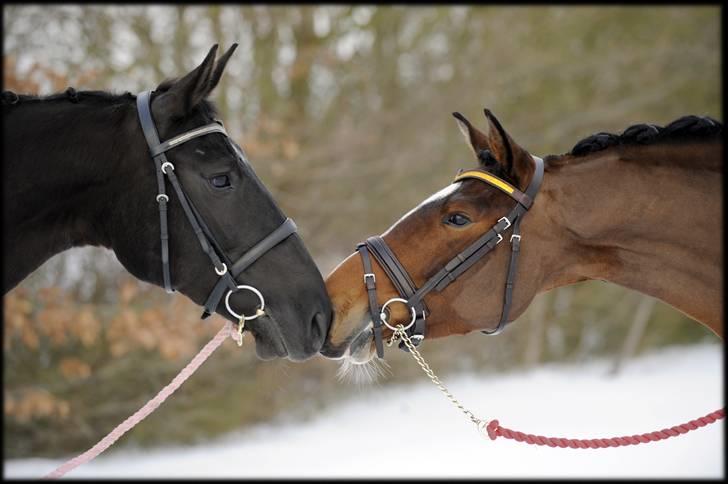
<point>508,222</point>
<point>223,271</point>
<point>370,274</point>
<point>165,165</point>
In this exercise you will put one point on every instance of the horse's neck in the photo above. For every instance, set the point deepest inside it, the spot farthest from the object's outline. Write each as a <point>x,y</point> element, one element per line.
<point>59,173</point>
<point>647,218</point>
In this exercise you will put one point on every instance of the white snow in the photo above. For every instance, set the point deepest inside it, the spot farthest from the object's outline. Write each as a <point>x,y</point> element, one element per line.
<point>413,431</point>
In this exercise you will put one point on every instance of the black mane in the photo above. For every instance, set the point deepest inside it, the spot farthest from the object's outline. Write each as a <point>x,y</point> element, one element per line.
<point>686,128</point>
<point>70,94</point>
<point>10,98</point>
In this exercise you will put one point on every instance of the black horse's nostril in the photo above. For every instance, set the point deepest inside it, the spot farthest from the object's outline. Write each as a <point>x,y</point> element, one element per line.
<point>319,330</point>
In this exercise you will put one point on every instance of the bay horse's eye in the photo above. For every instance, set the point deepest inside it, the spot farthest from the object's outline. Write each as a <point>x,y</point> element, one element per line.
<point>220,181</point>
<point>457,219</point>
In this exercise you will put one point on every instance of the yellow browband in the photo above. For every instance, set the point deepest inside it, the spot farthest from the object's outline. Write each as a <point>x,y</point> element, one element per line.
<point>486,177</point>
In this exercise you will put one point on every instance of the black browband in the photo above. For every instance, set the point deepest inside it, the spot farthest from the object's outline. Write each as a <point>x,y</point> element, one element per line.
<point>227,270</point>
<point>452,270</point>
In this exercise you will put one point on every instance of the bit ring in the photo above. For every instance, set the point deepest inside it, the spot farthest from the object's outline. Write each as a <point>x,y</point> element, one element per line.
<point>241,317</point>
<point>383,315</point>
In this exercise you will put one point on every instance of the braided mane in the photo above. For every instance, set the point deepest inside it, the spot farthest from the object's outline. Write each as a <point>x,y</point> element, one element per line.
<point>682,129</point>
<point>102,98</point>
<point>70,94</point>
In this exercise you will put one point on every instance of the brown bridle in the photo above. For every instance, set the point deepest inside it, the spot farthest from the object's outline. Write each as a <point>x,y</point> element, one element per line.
<point>413,297</point>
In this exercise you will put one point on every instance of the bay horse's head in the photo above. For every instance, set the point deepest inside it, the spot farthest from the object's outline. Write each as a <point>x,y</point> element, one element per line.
<point>430,237</point>
<point>234,211</point>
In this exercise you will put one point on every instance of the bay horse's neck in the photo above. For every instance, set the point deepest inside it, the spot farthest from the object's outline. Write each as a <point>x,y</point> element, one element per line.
<point>645,217</point>
<point>62,164</point>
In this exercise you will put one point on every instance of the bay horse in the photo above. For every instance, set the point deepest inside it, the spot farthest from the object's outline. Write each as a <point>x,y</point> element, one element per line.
<point>641,209</point>
<point>90,168</point>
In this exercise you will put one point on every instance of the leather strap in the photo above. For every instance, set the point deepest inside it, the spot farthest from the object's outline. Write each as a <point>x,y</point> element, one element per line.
<point>150,134</point>
<point>202,239</point>
<point>404,284</point>
<point>510,279</point>
<point>370,281</point>
<point>287,228</point>
<point>184,137</point>
<point>157,149</point>
<point>208,233</point>
<point>391,265</point>
<point>523,198</point>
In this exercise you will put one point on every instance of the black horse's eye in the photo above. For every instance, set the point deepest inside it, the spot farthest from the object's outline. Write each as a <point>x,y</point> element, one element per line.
<point>220,181</point>
<point>457,219</point>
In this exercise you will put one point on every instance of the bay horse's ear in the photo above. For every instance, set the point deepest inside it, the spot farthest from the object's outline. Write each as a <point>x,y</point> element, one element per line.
<point>496,148</point>
<point>516,161</point>
<point>184,94</point>
<point>478,140</point>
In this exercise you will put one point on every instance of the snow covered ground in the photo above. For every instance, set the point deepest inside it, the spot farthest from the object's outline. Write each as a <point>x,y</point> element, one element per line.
<point>412,430</point>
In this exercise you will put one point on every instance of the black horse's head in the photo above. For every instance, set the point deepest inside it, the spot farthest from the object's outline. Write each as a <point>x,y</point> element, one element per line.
<point>238,210</point>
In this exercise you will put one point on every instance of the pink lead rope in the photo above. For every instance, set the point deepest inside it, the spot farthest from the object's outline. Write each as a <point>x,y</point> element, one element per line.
<point>151,405</point>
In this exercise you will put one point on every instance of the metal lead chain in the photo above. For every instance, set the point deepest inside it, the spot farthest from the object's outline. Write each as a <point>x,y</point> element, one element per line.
<point>241,327</point>
<point>402,334</point>
<point>393,339</point>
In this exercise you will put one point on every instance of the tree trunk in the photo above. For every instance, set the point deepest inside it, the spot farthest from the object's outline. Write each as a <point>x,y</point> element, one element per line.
<point>534,343</point>
<point>636,330</point>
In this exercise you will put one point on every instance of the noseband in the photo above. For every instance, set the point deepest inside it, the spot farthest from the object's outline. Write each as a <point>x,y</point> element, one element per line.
<point>224,267</point>
<point>413,297</point>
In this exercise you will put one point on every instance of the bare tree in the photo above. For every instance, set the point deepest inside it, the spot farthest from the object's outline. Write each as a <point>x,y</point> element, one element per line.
<point>636,331</point>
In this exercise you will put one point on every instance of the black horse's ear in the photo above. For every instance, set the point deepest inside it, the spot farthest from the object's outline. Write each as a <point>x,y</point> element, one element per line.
<point>184,94</point>
<point>220,67</point>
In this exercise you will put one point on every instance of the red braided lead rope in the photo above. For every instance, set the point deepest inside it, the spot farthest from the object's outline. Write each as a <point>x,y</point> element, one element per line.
<point>495,430</point>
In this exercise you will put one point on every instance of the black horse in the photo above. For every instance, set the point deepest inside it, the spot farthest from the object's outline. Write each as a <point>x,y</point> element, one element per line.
<point>78,171</point>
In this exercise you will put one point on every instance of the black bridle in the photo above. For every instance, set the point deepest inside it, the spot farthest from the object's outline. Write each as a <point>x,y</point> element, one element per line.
<point>224,267</point>
<point>413,297</point>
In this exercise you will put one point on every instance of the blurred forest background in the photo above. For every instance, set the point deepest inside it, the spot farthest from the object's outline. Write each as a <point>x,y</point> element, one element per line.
<point>326,100</point>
